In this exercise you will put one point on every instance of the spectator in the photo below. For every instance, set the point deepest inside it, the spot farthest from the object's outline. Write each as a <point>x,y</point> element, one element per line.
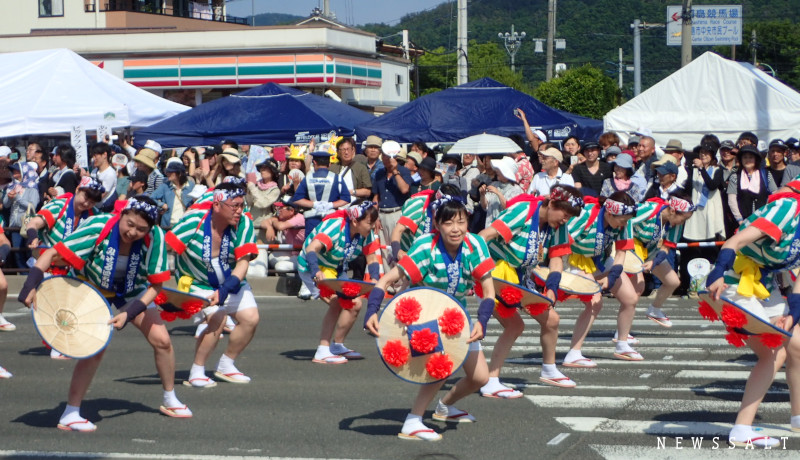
<point>780,172</point>
<point>667,182</point>
<point>535,137</point>
<point>729,168</point>
<point>294,171</point>
<point>645,157</point>
<point>610,154</point>
<point>137,183</point>
<point>355,175</point>
<point>264,193</point>
<point>413,160</point>
<point>451,164</point>
<point>174,195</point>
<point>427,173</point>
<point>749,187</point>
<point>674,148</point>
<point>145,162</point>
<point>392,187</point>
<point>36,154</point>
<point>105,174</point>
<point>120,163</point>
<point>63,179</point>
<point>229,164</point>
<point>590,175</point>
<point>495,195</point>
<point>794,151</point>
<point>621,181</point>
<point>21,199</point>
<point>551,174</point>
<point>423,149</point>
<point>467,174</point>
<point>286,227</point>
<point>372,156</point>
<point>607,140</point>
<point>571,148</point>
<point>707,223</point>
<point>525,170</point>
<point>321,192</point>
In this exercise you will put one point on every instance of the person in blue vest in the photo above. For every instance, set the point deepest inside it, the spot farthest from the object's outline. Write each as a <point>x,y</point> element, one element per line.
<point>321,192</point>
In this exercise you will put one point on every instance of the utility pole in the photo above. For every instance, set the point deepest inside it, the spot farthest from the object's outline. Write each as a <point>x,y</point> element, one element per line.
<point>621,69</point>
<point>551,34</point>
<point>326,8</point>
<point>754,45</point>
<point>637,57</point>
<point>686,33</point>
<point>463,63</point>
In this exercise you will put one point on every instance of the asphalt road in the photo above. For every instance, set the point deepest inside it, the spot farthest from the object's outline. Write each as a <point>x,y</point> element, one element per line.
<point>689,385</point>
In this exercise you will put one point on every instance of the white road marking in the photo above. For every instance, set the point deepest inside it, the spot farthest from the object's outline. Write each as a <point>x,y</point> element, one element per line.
<point>671,428</point>
<point>123,455</point>
<point>648,404</point>
<point>557,440</point>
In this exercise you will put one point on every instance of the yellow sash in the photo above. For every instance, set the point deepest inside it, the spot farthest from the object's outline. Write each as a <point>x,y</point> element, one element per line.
<point>640,250</point>
<point>505,272</point>
<point>583,262</point>
<point>749,277</point>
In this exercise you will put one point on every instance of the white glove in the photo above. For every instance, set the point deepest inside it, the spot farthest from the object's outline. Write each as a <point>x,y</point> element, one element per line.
<point>323,207</point>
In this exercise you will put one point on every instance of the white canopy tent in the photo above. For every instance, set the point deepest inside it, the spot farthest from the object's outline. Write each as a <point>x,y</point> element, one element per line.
<point>711,95</point>
<point>51,91</point>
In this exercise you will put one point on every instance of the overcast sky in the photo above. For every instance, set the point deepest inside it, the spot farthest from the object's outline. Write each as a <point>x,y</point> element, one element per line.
<point>353,12</point>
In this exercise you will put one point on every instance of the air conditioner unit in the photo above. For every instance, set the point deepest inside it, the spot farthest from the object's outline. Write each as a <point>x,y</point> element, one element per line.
<point>398,79</point>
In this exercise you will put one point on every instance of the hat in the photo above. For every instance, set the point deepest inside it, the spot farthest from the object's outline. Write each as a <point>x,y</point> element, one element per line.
<point>623,161</point>
<point>390,148</point>
<point>321,154</point>
<point>174,165</point>
<point>153,145</point>
<point>147,157</point>
<point>416,156</point>
<point>667,168</point>
<point>285,201</point>
<point>138,176</point>
<point>508,167</point>
<point>726,145</point>
<point>793,143</point>
<point>664,160</point>
<point>540,134</point>
<point>430,164</point>
<point>674,145</point>
<point>613,150</point>
<point>642,131</point>
<point>296,154</point>
<point>373,141</point>
<point>751,149</point>
<point>402,154</point>
<point>589,145</point>
<point>14,166</point>
<point>232,155</point>
<point>4,151</point>
<point>633,140</point>
<point>553,152</point>
<point>707,147</point>
<point>778,144</point>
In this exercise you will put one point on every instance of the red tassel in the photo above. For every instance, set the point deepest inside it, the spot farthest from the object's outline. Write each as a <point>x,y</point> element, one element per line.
<point>351,290</point>
<point>732,317</point>
<point>168,316</point>
<point>707,312</point>
<point>346,304</point>
<point>771,340</point>
<point>424,340</point>
<point>503,311</point>
<point>325,292</point>
<point>510,295</point>
<point>183,314</point>
<point>160,299</point>
<point>407,310</point>
<point>734,338</point>
<point>451,322</point>
<point>439,366</point>
<point>395,353</point>
<point>478,290</point>
<point>536,309</point>
<point>192,306</point>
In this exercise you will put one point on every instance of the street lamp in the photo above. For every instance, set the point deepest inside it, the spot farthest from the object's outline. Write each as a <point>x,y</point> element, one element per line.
<point>512,42</point>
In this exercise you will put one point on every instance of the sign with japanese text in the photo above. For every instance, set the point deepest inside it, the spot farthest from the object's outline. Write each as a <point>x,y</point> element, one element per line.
<point>711,25</point>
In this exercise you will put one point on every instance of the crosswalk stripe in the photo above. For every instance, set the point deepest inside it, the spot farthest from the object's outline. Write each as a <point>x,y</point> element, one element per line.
<point>659,364</point>
<point>659,427</point>
<point>645,404</point>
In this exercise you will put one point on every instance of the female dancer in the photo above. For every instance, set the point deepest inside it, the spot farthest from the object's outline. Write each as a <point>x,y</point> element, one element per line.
<point>124,255</point>
<point>331,246</point>
<point>599,225</point>
<point>452,260</point>
<point>518,240</point>
<point>763,244</point>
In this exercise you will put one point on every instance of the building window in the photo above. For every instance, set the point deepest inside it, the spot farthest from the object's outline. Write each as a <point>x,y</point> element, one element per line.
<point>51,8</point>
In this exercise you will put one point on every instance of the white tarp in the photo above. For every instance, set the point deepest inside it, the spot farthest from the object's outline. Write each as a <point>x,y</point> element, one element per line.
<point>711,95</point>
<point>51,91</point>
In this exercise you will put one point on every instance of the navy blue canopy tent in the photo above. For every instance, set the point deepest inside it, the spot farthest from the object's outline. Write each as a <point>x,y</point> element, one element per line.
<point>480,106</point>
<point>588,128</point>
<point>266,114</point>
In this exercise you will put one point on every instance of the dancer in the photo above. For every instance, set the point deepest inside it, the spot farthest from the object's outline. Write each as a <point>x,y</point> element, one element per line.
<point>525,234</point>
<point>452,260</point>
<point>125,257</point>
<point>657,229</point>
<point>206,241</point>
<point>600,224</point>
<point>745,273</point>
<point>327,251</point>
<point>416,218</point>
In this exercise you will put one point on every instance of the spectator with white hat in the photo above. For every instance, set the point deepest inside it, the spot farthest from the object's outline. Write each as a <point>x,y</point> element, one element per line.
<point>392,187</point>
<point>551,173</point>
<point>495,195</point>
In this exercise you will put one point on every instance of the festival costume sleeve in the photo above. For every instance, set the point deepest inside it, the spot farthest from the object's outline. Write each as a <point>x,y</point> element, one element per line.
<point>772,219</point>
<point>625,243</point>
<point>412,214</point>
<point>78,246</point>
<point>481,262</point>
<point>179,237</point>
<point>418,260</point>
<point>328,232</point>
<point>512,220</point>
<point>371,243</point>
<point>51,210</point>
<point>673,236</point>
<point>155,262</point>
<point>561,243</point>
<point>245,244</point>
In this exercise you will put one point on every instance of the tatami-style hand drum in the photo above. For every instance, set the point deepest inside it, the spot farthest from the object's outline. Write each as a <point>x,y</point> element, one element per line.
<point>570,283</point>
<point>741,322</point>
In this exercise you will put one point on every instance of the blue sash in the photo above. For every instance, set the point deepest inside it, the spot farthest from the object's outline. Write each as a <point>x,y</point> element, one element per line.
<point>350,245</point>
<point>69,220</point>
<point>600,240</point>
<point>110,263</point>
<point>224,253</point>
<point>453,268</point>
<point>534,240</point>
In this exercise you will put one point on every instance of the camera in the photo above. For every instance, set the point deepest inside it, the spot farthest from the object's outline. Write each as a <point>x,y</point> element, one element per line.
<point>477,183</point>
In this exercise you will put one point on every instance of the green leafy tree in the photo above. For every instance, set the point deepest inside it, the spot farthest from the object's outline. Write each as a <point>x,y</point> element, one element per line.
<point>582,90</point>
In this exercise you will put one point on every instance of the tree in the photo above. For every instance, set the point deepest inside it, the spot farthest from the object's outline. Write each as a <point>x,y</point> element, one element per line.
<point>582,90</point>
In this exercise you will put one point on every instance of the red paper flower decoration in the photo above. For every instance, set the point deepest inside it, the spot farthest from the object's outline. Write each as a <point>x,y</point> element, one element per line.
<point>585,298</point>
<point>510,295</point>
<point>346,304</point>
<point>168,316</point>
<point>183,314</point>
<point>160,299</point>
<point>734,338</point>
<point>192,306</point>
<point>407,310</point>
<point>439,366</point>
<point>424,340</point>
<point>56,270</point>
<point>325,292</point>
<point>395,353</point>
<point>451,322</point>
<point>707,312</point>
<point>771,340</point>
<point>351,290</point>
<point>503,311</point>
<point>732,317</point>
<point>478,290</point>
<point>537,308</point>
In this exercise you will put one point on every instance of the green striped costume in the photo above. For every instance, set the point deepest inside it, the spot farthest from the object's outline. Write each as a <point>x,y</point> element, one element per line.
<point>425,265</point>
<point>85,253</point>
<point>583,230</point>
<point>779,221</point>
<point>646,223</point>
<point>54,213</point>
<point>415,217</point>
<point>333,233</point>
<point>206,199</point>
<point>186,239</point>
<point>514,226</point>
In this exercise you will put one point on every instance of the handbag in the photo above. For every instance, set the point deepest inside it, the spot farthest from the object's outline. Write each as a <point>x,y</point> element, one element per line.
<point>30,213</point>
